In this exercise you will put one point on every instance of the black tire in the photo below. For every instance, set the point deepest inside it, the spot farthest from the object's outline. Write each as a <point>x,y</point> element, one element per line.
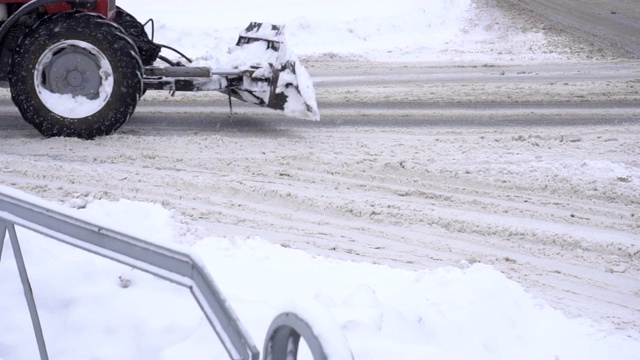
<point>83,58</point>
<point>147,49</point>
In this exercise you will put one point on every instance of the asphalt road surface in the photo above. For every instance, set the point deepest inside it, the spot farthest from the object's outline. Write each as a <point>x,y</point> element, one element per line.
<point>611,24</point>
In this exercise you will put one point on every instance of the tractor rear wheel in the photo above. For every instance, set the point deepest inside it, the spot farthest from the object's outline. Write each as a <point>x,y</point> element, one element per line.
<point>76,74</point>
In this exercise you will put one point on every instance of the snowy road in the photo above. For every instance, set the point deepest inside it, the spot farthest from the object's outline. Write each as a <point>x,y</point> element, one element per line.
<point>533,169</point>
<point>500,132</point>
<point>608,24</point>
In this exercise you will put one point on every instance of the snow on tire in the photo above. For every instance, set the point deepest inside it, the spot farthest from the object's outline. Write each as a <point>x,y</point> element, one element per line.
<point>76,74</point>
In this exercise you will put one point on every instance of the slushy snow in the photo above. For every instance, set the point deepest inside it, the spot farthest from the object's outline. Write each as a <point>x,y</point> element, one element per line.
<point>94,308</point>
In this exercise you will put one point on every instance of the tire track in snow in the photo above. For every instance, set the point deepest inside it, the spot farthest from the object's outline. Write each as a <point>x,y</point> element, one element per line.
<point>554,207</point>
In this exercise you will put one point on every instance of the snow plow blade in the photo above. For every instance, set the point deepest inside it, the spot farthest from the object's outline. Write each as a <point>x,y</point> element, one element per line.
<point>272,75</point>
<point>268,74</point>
<point>259,69</point>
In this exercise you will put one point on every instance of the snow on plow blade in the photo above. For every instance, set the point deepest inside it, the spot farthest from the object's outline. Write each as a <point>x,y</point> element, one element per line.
<point>271,75</point>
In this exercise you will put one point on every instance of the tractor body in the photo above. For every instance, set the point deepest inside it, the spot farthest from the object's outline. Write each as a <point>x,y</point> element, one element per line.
<point>78,68</point>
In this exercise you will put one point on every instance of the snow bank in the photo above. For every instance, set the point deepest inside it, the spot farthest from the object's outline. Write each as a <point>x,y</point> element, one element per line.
<point>91,307</point>
<point>405,30</point>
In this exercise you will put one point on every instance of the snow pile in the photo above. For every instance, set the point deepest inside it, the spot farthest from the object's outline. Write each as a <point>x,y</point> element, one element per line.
<point>111,311</point>
<point>406,30</point>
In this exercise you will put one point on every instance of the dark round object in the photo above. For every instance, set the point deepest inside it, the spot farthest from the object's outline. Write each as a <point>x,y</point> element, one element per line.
<point>76,74</point>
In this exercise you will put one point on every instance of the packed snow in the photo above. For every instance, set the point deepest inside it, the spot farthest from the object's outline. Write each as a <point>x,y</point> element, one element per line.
<point>94,308</point>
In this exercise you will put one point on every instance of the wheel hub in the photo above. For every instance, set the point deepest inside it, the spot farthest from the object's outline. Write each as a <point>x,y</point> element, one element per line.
<point>73,79</point>
<point>74,71</point>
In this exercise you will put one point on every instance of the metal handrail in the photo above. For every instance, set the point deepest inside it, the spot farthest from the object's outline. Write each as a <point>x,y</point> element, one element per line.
<point>168,263</point>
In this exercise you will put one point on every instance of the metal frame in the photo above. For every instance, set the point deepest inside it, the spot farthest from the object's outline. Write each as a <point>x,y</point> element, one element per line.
<point>170,264</point>
<point>283,338</point>
<point>173,265</point>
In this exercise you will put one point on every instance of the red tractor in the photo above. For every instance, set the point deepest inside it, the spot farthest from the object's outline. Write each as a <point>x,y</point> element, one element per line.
<point>78,68</point>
